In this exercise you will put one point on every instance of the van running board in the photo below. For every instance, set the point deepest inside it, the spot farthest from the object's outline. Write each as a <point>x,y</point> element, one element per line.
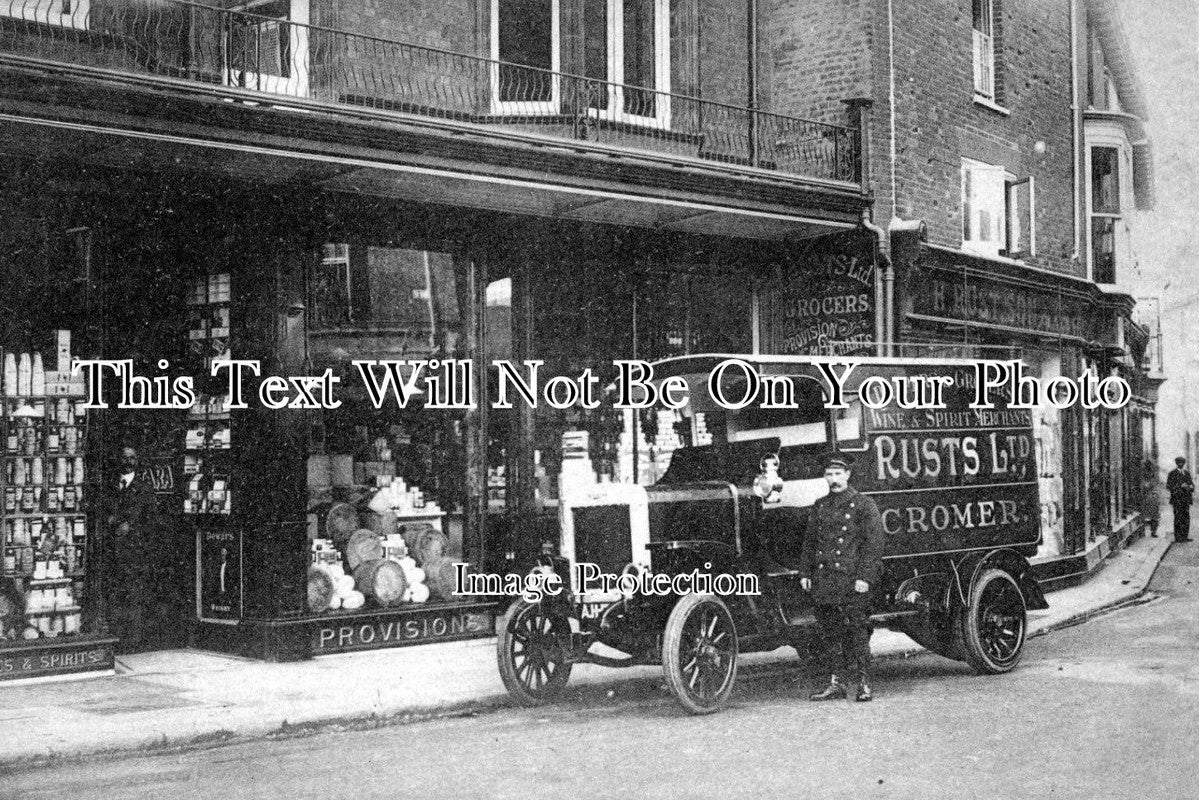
<point>807,620</point>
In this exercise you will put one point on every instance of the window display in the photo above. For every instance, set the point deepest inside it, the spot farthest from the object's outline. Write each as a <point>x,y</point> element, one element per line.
<point>45,527</point>
<point>385,485</point>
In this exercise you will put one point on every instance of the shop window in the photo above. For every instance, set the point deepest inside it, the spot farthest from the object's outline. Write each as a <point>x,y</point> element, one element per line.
<point>63,13</point>
<point>525,45</point>
<point>626,44</point>
<point>1105,212</point>
<point>267,46</point>
<point>998,211</point>
<point>403,291</point>
<point>331,287</point>
<point>387,484</point>
<point>985,15</point>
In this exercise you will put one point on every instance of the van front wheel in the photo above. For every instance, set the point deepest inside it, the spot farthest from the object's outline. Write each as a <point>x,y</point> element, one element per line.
<point>992,627</point>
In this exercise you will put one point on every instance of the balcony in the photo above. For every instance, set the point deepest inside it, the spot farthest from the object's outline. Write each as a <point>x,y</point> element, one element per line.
<point>249,54</point>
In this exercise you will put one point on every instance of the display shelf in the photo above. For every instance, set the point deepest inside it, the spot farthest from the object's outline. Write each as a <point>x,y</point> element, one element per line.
<point>43,477</point>
<point>207,441</point>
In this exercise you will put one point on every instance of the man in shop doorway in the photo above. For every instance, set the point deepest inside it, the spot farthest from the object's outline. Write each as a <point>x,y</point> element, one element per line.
<point>840,564</point>
<point>1182,492</point>
<point>129,529</point>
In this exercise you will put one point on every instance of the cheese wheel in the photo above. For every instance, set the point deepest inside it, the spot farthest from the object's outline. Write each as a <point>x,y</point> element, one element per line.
<point>363,545</point>
<point>320,589</point>
<point>353,600</point>
<point>382,580</point>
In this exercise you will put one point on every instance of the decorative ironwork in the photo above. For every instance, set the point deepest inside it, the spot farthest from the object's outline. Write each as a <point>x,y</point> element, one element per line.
<point>266,52</point>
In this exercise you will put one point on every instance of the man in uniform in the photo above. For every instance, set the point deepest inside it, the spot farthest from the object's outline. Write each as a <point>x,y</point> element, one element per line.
<point>840,564</point>
<point>1182,492</point>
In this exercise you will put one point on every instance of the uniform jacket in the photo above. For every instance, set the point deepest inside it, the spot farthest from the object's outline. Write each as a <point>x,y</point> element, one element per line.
<point>843,544</point>
<point>1181,487</point>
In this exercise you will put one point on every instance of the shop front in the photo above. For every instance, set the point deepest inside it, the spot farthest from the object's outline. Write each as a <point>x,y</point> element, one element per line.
<point>950,303</point>
<point>294,531</point>
<point>49,625</point>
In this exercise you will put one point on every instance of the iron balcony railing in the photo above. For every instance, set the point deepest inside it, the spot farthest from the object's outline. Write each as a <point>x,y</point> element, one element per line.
<point>269,53</point>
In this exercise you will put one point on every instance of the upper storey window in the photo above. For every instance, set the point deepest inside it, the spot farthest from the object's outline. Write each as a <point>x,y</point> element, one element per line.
<point>1105,212</point>
<point>984,17</point>
<point>625,53</point>
<point>998,211</point>
<point>526,40</point>
<point>65,13</point>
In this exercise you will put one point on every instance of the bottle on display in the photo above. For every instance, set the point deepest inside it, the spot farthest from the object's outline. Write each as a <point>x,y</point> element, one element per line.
<point>24,375</point>
<point>10,374</point>
<point>37,384</point>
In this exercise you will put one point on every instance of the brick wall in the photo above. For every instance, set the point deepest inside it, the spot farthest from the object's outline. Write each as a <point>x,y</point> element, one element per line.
<point>820,55</point>
<point>444,24</point>
<point>825,51</point>
<point>938,122</point>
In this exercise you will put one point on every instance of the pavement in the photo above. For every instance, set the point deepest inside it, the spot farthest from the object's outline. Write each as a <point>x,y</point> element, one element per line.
<point>181,699</point>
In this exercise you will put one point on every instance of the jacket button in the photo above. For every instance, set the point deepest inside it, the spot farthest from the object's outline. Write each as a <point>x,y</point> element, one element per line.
<point>836,563</point>
<point>851,505</point>
<point>847,516</point>
<point>844,528</point>
<point>839,539</point>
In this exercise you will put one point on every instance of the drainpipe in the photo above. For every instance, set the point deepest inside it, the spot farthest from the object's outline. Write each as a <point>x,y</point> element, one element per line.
<point>1076,124</point>
<point>882,302</point>
<point>751,48</point>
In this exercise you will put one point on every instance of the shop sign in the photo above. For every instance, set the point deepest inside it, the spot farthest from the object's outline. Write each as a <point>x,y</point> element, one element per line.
<point>994,303</point>
<point>410,627</point>
<point>823,303</point>
<point>219,580</point>
<point>160,474</point>
<point>56,660</point>
<point>953,479</point>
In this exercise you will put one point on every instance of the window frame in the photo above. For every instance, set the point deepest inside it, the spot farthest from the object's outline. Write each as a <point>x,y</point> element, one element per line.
<point>616,71</point>
<point>971,170</point>
<point>1011,220</point>
<point>295,82</point>
<point>1003,206</point>
<point>44,12</point>
<point>508,108</point>
<point>983,50</point>
<point>1112,215</point>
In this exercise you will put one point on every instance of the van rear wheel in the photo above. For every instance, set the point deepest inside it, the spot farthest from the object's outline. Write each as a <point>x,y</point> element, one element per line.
<point>991,629</point>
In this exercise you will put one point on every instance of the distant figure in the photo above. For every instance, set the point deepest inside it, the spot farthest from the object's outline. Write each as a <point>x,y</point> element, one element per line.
<point>1150,499</point>
<point>1182,492</point>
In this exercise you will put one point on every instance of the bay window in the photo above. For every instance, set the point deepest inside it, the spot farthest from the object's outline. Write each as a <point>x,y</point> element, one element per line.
<point>1105,212</point>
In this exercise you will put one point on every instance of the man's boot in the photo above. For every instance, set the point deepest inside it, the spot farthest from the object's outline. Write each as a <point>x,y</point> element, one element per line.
<point>834,691</point>
<point>864,694</point>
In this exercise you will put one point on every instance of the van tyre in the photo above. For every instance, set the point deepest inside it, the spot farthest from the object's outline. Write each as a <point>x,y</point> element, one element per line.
<point>532,650</point>
<point>992,627</point>
<point>699,653</point>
